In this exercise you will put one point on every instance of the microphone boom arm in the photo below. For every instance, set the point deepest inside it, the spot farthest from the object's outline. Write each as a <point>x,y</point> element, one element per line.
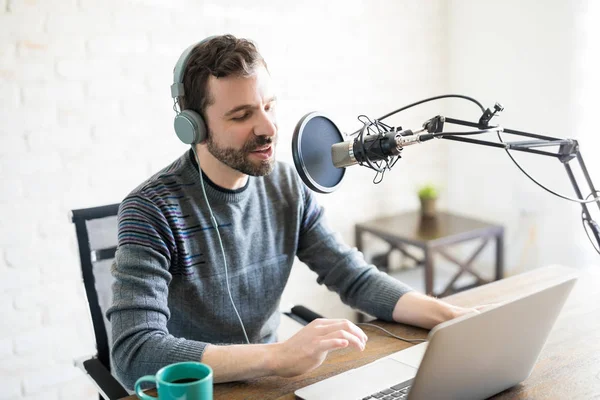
<point>568,150</point>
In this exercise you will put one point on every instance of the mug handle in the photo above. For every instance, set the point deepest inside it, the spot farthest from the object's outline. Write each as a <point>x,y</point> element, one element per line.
<point>138,389</point>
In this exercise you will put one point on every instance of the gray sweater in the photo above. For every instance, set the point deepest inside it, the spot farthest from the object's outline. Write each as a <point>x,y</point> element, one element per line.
<point>170,297</point>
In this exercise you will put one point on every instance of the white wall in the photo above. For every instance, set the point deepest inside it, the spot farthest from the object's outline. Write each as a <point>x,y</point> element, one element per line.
<point>587,102</point>
<point>536,59</point>
<point>86,115</point>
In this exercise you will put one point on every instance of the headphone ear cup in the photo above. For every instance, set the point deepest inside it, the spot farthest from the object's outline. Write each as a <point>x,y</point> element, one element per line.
<point>190,127</point>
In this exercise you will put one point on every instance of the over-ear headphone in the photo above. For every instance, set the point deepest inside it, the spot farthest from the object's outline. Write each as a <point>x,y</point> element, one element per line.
<point>189,125</point>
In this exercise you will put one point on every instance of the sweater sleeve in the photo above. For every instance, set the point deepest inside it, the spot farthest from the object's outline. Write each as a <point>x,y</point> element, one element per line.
<point>343,269</point>
<point>139,313</point>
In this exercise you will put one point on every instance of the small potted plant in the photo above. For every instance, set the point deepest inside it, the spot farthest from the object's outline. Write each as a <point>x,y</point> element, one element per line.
<point>428,195</point>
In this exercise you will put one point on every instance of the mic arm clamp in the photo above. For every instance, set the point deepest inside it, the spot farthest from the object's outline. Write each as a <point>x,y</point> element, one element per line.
<point>488,114</point>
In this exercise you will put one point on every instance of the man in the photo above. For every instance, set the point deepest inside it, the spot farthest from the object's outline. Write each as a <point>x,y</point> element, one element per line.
<point>174,297</point>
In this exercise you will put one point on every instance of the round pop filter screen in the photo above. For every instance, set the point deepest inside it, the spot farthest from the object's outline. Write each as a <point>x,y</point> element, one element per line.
<point>311,148</point>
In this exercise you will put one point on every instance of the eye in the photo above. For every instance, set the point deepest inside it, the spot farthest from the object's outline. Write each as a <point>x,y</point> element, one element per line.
<point>270,106</point>
<point>241,117</point>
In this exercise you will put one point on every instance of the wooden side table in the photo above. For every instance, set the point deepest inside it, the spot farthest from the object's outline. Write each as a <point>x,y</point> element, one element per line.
<point>435,235</point>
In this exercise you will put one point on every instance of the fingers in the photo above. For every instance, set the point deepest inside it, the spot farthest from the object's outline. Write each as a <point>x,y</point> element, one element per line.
<point>353,340</point>
<point>308,348</point>
<point>332,344</point>
<point>326,326</point>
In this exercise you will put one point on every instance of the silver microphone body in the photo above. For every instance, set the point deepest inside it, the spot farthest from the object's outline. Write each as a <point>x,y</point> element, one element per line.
<point>375,147</point>
<point>342,154</point>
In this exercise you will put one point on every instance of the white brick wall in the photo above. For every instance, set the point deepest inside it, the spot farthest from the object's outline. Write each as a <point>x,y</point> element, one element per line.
<point>85,115</point>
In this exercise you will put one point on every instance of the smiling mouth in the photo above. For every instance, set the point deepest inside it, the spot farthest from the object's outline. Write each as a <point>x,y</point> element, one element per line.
<point>262,149</point>
<point>263,153</point>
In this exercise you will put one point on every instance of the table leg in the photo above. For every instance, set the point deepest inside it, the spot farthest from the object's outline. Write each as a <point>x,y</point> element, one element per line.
<point>500,256</point>
<point>428,264</point>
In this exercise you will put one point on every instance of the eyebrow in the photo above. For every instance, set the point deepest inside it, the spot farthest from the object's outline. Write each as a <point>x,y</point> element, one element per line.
<point>246,107</point>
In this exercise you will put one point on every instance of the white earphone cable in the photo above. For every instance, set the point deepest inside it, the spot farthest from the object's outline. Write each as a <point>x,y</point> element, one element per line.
<point>215,225</point>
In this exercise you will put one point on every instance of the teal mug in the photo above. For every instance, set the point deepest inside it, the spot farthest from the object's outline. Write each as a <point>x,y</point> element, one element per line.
<point>180,381</point>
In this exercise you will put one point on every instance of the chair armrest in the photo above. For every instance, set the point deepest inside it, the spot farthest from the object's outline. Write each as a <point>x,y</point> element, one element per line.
<point>107,385</point>
<point>302,315</point>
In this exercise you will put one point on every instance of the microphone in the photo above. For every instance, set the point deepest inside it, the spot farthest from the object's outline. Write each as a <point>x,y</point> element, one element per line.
<point>375,147</point>
<point>321,154</point>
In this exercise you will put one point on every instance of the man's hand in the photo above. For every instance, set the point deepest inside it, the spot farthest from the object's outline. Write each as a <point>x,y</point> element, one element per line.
<point>307,349</point>
<point>301,353</point>
<point>417,309</point>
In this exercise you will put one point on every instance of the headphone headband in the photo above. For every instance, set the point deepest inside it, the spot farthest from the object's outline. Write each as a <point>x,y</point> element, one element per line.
<point>177,86</point>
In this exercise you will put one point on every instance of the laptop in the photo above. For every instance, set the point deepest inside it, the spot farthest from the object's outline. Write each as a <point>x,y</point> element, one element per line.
<point>470,357</point>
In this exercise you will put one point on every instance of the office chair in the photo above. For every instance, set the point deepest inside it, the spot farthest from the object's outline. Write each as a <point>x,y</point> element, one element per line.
<point>96,230</point>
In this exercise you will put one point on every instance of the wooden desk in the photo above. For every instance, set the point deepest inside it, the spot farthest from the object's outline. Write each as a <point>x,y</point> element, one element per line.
<point>433,236</point>
<point>568,367</point>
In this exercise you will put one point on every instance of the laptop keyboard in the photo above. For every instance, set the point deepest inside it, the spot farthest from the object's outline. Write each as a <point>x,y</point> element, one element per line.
<point>399,391</point>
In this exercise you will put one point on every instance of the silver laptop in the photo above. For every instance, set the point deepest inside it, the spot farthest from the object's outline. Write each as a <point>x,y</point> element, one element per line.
<point>471,357</point>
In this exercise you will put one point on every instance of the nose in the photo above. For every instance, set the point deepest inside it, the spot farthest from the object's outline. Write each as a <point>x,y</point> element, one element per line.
<point>266,125</point>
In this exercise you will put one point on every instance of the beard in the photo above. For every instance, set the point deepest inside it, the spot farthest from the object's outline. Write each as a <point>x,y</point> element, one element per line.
<point>239,159</point>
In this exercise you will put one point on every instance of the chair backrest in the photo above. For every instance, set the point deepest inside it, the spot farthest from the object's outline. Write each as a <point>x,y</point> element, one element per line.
<point>97,240</point>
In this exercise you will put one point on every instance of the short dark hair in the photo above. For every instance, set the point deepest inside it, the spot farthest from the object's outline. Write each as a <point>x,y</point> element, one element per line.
<point>220,56</point>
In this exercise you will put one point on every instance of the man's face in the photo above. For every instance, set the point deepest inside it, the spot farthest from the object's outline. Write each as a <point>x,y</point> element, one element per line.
<point>242,129</point>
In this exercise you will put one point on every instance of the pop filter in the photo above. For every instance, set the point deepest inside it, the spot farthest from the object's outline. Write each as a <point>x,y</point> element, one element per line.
<point>311,147</point>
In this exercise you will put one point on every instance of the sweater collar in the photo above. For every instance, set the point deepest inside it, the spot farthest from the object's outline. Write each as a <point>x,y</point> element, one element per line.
<point>212,189</point>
